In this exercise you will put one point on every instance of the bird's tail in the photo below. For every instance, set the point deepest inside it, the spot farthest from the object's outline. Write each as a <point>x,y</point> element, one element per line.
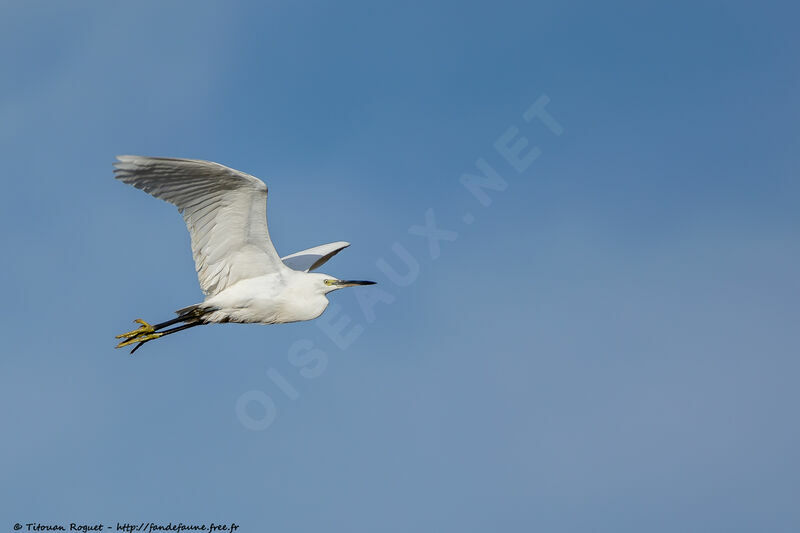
<point>195,310</point>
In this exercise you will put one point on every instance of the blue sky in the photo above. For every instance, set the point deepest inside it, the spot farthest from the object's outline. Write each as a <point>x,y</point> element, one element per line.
<point>610,345</point>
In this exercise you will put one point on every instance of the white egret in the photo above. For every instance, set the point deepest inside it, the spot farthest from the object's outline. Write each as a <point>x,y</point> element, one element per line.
<point>240,272</point>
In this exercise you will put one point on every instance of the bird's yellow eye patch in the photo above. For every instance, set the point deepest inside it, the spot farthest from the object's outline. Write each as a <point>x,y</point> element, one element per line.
<point>329,282</point>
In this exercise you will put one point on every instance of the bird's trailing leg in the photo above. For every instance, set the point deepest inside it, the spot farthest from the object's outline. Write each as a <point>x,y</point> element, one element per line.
<point>146,332</point>
<point>143,339</point>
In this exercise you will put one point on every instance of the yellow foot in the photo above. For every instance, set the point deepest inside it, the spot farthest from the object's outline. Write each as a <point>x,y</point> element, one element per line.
<point>139,338</point>
<point>144,328</point>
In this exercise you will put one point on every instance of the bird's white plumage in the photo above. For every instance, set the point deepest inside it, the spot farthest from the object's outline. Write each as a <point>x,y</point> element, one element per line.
<point>225,211</point>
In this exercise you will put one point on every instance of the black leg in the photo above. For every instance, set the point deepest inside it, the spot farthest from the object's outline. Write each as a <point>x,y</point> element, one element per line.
<point>170,322</point>
<point>168,332</point>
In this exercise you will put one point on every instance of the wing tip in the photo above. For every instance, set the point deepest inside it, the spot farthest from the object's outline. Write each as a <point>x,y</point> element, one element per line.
<point>127,166</point>
<point>127,158</point>
<point>123,162</point>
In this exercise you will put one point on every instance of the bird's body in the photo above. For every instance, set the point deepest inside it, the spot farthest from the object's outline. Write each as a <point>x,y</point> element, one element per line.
<point>239,270</point>
<point>276,298</point>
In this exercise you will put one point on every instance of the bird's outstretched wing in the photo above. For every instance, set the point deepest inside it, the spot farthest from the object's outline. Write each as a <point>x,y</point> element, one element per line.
<point>313,258</point>
<point>224,209</point>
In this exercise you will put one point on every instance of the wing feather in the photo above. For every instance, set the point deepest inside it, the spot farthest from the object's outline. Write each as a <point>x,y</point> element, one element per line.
<point>313,258</point>
<point>225,211</point>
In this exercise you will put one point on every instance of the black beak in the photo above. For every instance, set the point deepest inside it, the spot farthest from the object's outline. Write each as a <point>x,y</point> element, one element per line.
<point>352,283</point>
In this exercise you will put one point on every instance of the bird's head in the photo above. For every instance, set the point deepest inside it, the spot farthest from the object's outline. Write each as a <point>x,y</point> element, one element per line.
<point>327,283</point>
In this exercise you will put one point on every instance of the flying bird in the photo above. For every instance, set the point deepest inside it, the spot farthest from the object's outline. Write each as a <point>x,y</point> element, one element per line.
<point>242,276</point>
